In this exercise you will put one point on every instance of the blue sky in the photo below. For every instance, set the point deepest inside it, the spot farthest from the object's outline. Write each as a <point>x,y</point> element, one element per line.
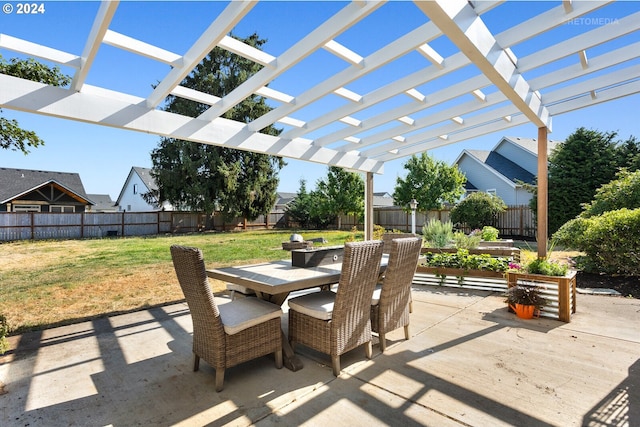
<point>103,156</point>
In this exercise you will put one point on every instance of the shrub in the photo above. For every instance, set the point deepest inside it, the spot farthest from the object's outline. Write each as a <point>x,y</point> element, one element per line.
<point>489,233</point>
<point>437,234</point>
<point>571,234</point>
<point>464,241</point>
<point>477,210</point>
<point>612,241</point>
<point>623,192</point>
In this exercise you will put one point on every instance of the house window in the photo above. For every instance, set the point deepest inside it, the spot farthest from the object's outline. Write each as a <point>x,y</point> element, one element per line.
<point>26,208</point>
<point>62,209</point>
<point>135,188</point>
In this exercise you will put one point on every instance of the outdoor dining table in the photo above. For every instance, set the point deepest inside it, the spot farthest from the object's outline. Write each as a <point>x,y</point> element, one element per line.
<point>273,281</point>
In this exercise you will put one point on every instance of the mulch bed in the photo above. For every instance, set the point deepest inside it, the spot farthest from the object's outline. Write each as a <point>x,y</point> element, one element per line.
<point>627,286</point>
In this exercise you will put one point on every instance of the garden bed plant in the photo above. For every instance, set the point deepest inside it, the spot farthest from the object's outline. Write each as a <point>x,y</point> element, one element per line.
<point>463,260</point>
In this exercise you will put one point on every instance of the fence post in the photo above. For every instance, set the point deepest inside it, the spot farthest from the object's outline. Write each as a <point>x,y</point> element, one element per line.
<point>122,224</point>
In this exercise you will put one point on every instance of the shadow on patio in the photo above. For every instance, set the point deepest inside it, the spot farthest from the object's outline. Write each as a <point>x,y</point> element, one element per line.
<point>469,362</point>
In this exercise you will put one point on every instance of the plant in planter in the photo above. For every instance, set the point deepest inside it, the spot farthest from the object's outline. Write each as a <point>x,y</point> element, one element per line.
<point>525,300</point>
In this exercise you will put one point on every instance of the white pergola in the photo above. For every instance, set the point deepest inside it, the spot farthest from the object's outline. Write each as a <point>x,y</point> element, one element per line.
<point>473,81</point>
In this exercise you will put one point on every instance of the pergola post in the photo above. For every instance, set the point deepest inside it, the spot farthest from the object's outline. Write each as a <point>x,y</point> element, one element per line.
<point>543,192</point>
<point>368,206</point>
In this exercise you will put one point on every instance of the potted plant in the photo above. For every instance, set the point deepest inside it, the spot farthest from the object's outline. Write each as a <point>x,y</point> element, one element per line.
<point>525,300</point>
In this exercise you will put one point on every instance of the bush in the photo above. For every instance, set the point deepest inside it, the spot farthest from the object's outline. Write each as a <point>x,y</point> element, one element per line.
<point>437,234</point>
<point>571,234</point>
<point>477,210</point>
<point>464,241</point>
<point>489,233</point>
<point>612,241</point>
<point>623,192</point>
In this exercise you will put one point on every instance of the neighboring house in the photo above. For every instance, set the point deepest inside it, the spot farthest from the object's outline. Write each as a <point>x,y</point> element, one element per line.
<point>282,200</point>
<point>500,171</point>
<point>102,203</point>
<point>382,199</point>
<point>24,190</point>
<point>139,182</point>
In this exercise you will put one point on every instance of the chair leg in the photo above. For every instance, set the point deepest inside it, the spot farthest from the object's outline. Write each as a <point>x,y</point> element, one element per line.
<point>335,362</point>
<point>219,378</point>
<point>410,304</point>
<point>278,355</point>
<point>196,362</point>
<point>383,341</point>
<point>406,332</point>
<point>368,349</point>
<point>232,295</point>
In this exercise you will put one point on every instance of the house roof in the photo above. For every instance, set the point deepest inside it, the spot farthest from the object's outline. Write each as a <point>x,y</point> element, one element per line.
<point>529,144</point>
<point>145,177</point>
<point>482,67</point>
<point>17,182</point>
<point>102,202</point>
<point>505,167</point>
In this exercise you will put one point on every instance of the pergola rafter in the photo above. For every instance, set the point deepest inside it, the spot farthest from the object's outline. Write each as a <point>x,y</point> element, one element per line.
<point>454,77</point>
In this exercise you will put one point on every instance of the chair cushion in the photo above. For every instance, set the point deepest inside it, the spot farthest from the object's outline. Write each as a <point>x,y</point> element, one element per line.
<point>241,314</point>
<point>375,298</point>
<point>318,305</point>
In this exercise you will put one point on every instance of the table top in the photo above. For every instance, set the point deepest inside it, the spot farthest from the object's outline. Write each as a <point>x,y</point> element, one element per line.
<point>278,277</point>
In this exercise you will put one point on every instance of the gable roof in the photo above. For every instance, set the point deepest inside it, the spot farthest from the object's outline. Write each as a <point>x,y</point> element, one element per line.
<point>505,167</point>
<point>528,144</point>
<point>145,177</point>
<point>102,202</point>
<point>17,182</point>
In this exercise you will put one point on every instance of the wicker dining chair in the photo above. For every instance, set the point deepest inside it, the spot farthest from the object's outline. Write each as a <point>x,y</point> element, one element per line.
<point>390,301</point>
<point>336,322</point>
<point>228,334</point>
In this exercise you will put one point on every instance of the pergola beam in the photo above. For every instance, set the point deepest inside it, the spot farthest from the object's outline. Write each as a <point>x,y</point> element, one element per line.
<point>131,113</point>
<point>461,24</point>
<point>224,23</point>
<point>98,31</point>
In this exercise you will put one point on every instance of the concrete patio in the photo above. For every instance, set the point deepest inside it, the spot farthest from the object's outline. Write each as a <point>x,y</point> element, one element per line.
<point>469,363</point>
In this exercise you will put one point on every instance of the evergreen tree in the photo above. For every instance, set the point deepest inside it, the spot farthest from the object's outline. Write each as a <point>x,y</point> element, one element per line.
<point>577,168</point>
<point>205,177</point>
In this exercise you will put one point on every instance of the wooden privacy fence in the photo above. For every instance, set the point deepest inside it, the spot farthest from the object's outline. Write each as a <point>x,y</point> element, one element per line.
<point>516,221</point>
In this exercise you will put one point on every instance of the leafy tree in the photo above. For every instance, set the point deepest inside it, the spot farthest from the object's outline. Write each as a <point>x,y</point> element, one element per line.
<point>431,182</point>
<point>478,210</point>
<point>343,192</point>
<point>206,177</point>
<point>11,135</point>
<point>577,168</point>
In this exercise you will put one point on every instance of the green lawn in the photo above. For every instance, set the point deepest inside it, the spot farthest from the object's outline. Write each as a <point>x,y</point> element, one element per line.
<point>47,283</point>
